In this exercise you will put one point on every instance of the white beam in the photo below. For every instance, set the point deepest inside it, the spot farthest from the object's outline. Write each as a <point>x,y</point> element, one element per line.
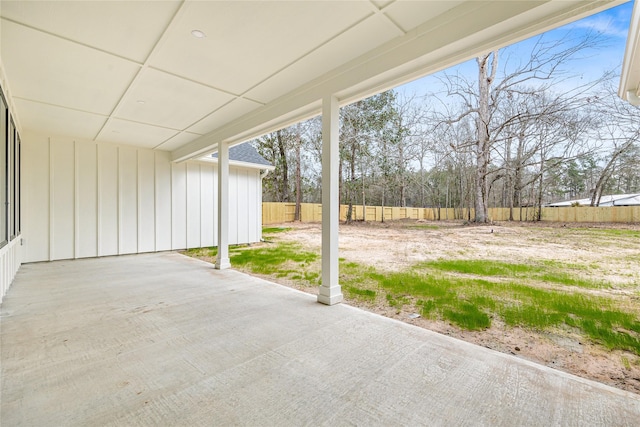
<point>330,291</point>
<point>629,88</point>
<point>222,260</point>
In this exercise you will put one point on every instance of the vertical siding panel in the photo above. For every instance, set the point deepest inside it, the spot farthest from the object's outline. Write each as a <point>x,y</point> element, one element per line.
<point>35,191</point>
<point>128,200</point>
<point>63,199</point>
<point>253,205</point>
<point>215,205</point>
<point>233,206</point>
<point>178,206</point>
<point>206,205</point>
<point>243,203</point>
<point>193,205</point>
<point>108,199</point>
<point>146,201</point>
<point>163,201</point>
<point>86,200</point>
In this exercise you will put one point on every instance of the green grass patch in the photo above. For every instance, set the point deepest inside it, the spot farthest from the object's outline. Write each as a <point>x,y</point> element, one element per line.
<point>274,230</point>
<point>483,267</point>
<point>397,301</point>
<point>544,271</point>
<point>470,304</point>
<point>615,232</point>
<point>467,316</point>
<point>357,293</point>
<point>202,252</point>
<point>423,227</point>
<point>278,259</point>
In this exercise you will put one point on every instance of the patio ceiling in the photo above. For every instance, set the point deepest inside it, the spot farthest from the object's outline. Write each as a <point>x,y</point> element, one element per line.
<point>133,73</point>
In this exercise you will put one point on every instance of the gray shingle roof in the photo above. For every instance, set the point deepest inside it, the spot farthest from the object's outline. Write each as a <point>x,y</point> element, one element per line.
<point>245,153</point>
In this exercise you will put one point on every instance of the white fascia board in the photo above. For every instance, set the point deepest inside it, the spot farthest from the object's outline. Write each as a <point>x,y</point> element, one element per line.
<point>237,163</point>
<point>630,76</point>
<point>466,31</point>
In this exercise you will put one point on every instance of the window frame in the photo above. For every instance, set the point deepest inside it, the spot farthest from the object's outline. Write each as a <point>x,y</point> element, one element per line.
<point>12,176</point>
<point>4,169</point>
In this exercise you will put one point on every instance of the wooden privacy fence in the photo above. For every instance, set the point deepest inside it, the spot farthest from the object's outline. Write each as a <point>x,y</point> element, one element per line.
<point>276,213</point>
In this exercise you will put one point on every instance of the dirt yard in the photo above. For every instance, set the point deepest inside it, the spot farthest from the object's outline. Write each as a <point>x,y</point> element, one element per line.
<point>606,254</point>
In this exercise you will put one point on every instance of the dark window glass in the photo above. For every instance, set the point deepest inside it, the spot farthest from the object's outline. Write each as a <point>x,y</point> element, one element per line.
<point>4,172</point>
<point>12,175</point>
<point>17,196</point>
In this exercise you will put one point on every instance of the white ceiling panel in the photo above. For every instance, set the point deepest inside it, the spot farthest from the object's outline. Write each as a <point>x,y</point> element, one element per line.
<point>136,134</point>
<point>234,109</point>
<point>177,141</point>
<point>381,3</point>
<point>129,29</point>
<point>55,71</point>
<point>409,14</point>
<point>367,35</point>
<point>245,40</point>
<point>165,100</point>
<point>58,121</point>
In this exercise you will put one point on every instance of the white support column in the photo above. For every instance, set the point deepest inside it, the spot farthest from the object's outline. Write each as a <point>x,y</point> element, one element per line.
<point>330,291</point>
<point>222,260</point>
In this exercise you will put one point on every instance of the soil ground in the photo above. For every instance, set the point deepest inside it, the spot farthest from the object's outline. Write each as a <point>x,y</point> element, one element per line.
<point>606,254</point>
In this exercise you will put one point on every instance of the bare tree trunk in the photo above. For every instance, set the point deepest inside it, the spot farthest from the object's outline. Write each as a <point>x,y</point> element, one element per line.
<point>285,168</point>
<point>485,78</point>
<point>383,203</point>
<point>607,171</point>
<point>297,214</point>
<point>364,196</point>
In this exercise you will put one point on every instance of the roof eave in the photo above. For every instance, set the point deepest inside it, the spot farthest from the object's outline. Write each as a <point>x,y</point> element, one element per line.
<point>247,165</point>
<point>629,88</point>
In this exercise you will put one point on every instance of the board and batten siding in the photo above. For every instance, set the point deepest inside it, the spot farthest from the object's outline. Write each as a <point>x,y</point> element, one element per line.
<point>86,199</point>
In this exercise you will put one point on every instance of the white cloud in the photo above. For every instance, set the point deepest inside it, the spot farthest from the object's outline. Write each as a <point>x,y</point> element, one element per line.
<point>605,25</point>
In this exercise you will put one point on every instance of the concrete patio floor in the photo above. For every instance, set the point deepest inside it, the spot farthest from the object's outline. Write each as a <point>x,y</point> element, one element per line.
<point>162,339</point>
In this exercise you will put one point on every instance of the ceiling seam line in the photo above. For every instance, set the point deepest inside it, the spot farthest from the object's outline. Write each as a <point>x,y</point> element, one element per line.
<point>143,66</point>
<point>207,115</point>
<point>360,21</point>
<point>172,74</point>
<point>88,46</point>
<point>77,110</point>
<point>381,12</point>
<point>166,140</point>
<point>150,124</point>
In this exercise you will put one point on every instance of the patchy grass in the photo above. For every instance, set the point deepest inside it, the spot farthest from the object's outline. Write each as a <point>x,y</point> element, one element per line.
<point>470,304</point>
<point>613,232</point>
<point>274,230</point>
<point>545,271</point>
<point>423,227</point>
<point>202,252</point>
<point>282,259</point>
<point>357,293</point>
<point>482,267</point>
<point>466,293</point>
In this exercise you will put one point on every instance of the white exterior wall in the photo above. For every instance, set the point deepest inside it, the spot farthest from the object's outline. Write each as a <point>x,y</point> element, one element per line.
<point>85,199</point>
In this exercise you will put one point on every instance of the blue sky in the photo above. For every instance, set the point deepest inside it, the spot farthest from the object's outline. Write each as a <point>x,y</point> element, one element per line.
<point>612,25</point>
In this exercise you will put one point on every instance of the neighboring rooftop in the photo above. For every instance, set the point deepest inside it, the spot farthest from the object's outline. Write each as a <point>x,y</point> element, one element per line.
<point>610,200</point>
<point>245,153</point>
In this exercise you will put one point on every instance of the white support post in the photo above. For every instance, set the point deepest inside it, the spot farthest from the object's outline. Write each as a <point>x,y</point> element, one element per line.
<point>222,260</point>
<point>330,291</point>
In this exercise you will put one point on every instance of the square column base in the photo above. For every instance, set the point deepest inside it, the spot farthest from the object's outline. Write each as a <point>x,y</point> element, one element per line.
<point>223,264</point>
<point>330,296</point>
